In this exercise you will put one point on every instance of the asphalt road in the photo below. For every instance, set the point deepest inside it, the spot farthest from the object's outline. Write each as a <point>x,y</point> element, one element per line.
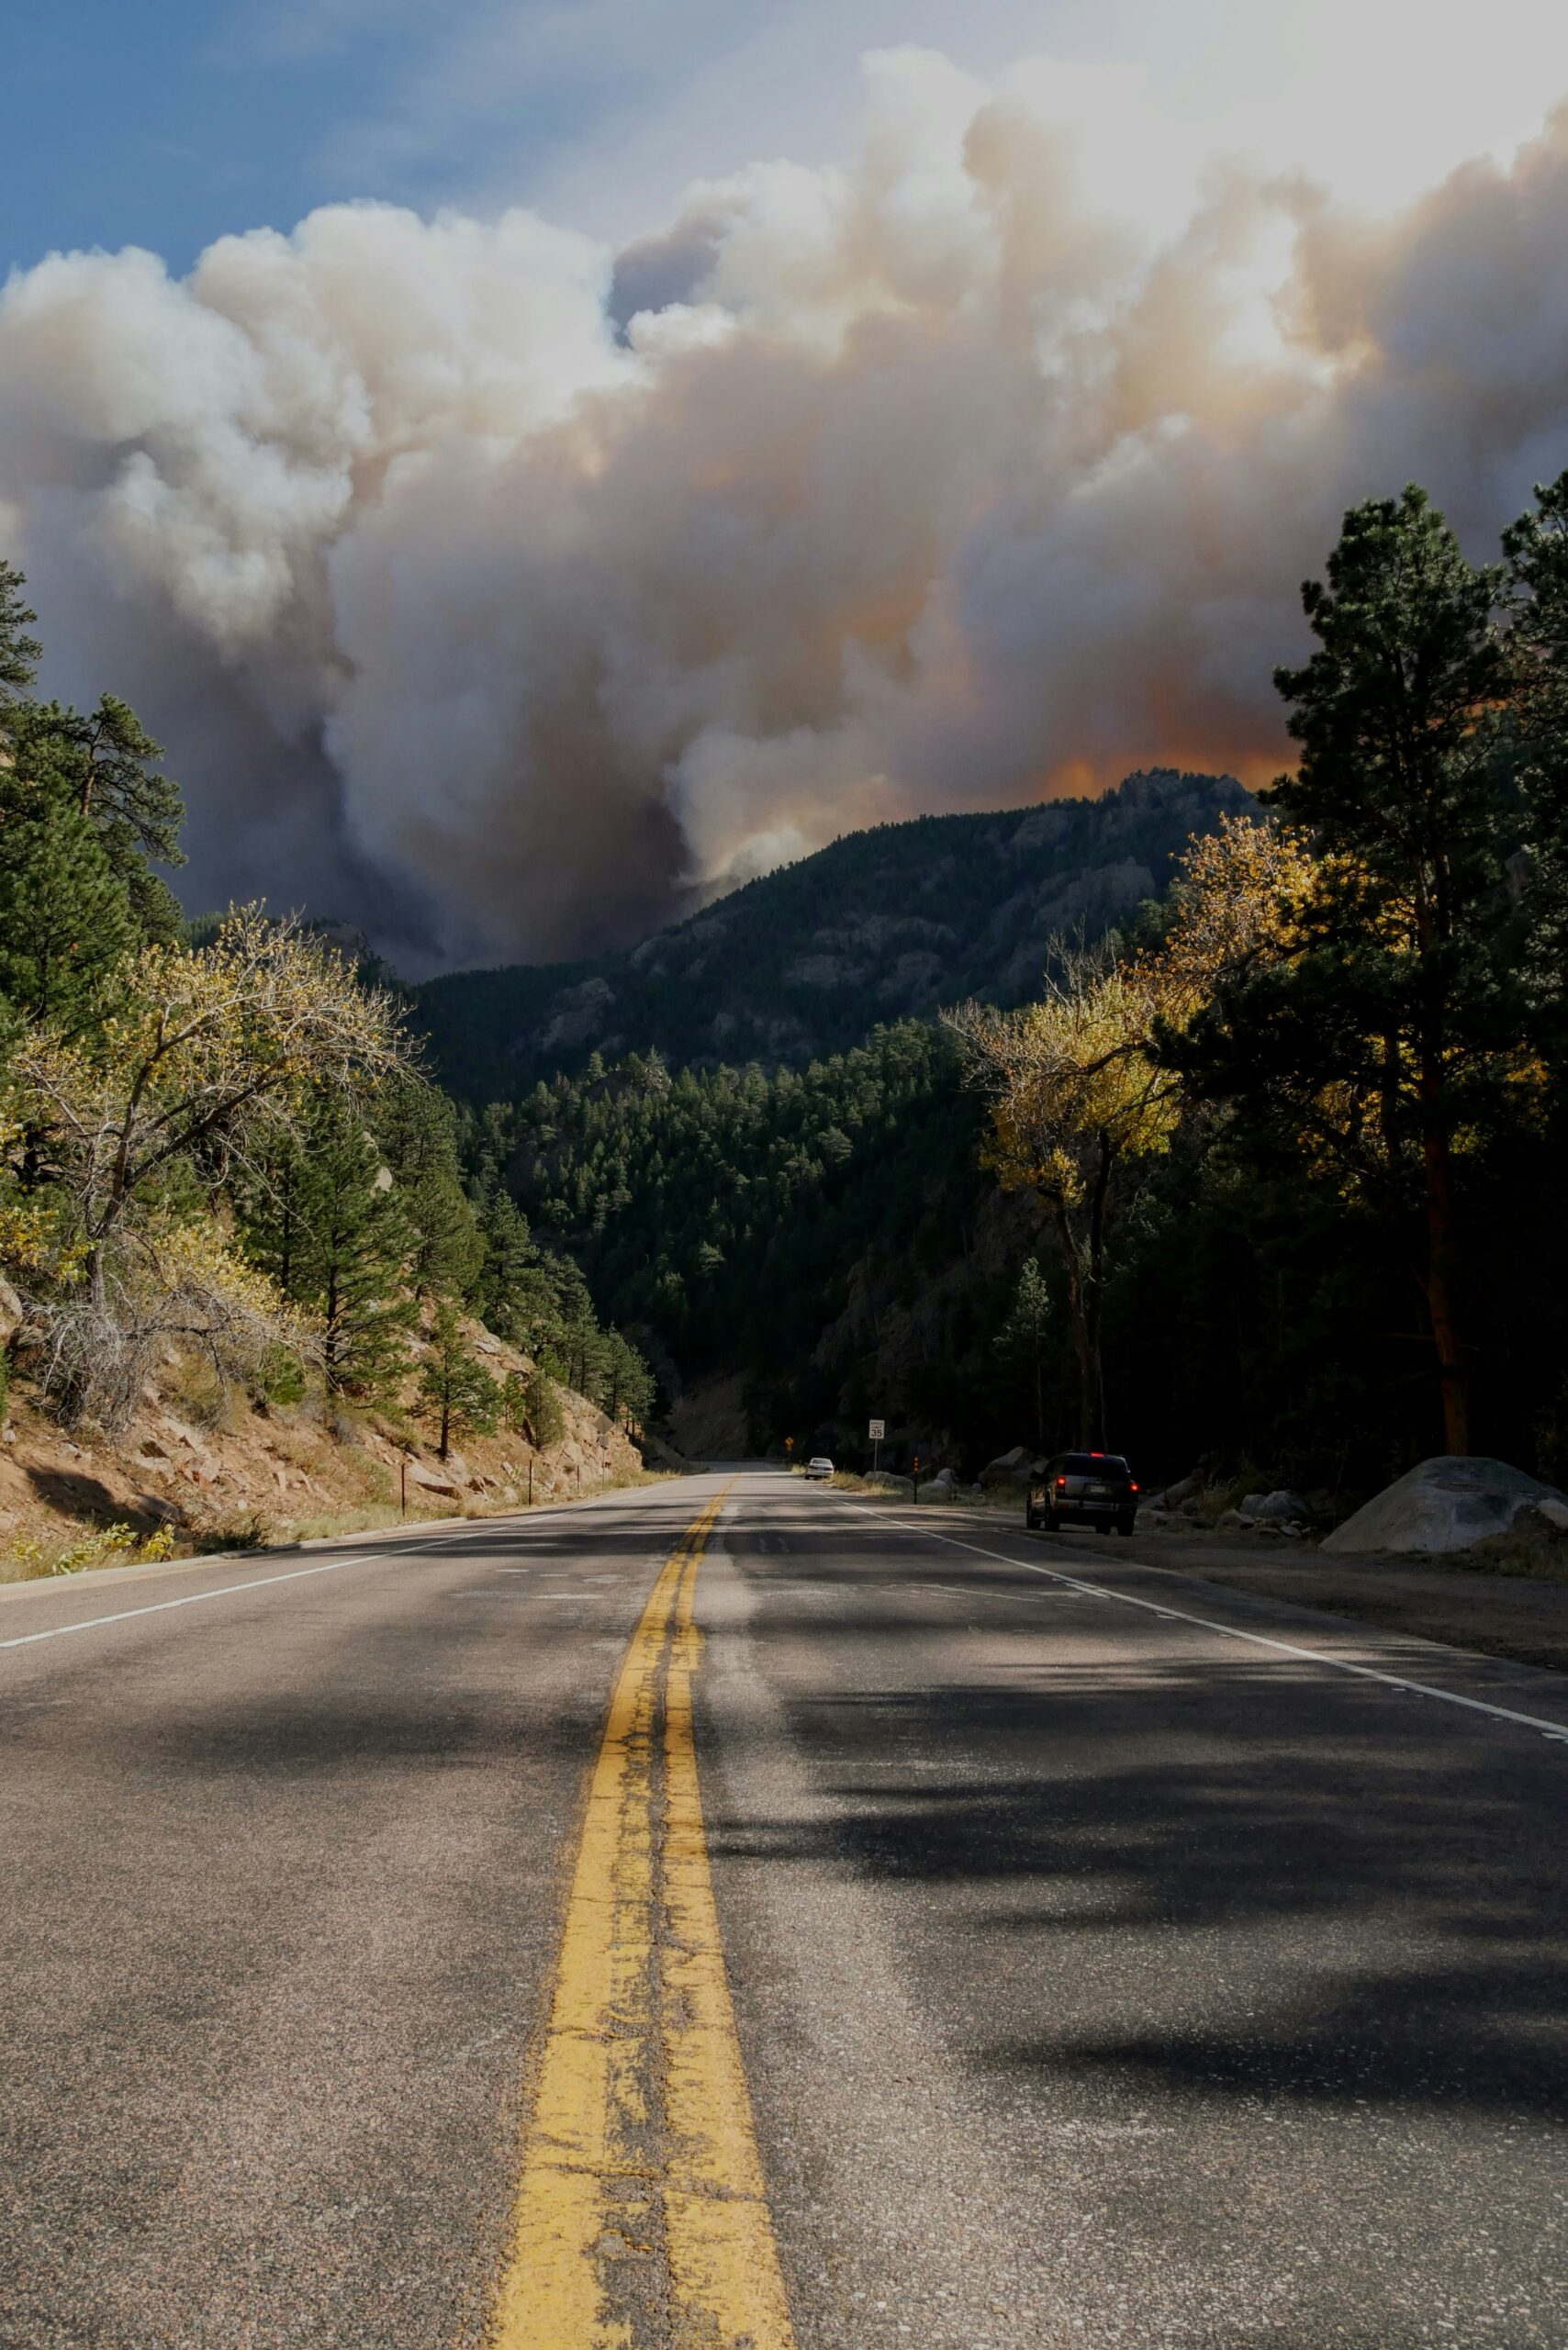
<point>1110,1965</point>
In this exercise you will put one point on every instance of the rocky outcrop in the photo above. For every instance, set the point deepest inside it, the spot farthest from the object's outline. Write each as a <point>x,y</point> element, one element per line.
<point>1444,1504</point>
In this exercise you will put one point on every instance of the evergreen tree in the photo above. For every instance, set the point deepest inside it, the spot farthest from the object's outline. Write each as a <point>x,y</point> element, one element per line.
<point>325,1222</point>
<point>627,1387</point>
<point>418,1130</point>
<point>20,653</point>
<point>1535,548</point>
<point>533,1403</point>
<point>81,812</point>
<point>66,922</point>
<point>512,1294</point>
<point>105,767</point>
<point>1391,1033</point>
<point>1025,1341</point>
<point>454,1382</point>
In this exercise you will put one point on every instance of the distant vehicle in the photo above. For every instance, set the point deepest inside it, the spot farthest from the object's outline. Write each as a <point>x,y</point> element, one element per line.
<point>1084,1489</point>
<point>819,1465</point>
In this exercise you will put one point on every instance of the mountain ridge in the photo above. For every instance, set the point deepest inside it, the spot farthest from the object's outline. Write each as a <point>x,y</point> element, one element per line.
<point>880,925</point>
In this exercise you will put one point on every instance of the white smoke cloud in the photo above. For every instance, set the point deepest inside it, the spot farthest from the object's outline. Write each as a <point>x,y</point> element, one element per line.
<point>508,596</point>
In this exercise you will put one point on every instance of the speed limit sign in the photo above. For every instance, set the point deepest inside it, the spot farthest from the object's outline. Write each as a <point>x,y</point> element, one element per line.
<point>878,1429</point>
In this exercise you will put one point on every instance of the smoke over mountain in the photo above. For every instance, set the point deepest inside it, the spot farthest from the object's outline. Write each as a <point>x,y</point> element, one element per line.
<point>508,596</point>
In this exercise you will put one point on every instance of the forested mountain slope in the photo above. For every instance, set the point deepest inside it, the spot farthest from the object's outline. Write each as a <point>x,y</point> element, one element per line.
<point>880,926</point>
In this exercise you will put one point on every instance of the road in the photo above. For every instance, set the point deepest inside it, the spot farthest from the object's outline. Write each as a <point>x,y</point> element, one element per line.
<point>725,1912</point>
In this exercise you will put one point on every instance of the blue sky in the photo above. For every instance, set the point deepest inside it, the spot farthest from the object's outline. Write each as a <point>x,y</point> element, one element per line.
<point>167,122</point>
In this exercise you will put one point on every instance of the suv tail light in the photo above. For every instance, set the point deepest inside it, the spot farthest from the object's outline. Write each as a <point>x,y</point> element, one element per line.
<point>1062,1484</point>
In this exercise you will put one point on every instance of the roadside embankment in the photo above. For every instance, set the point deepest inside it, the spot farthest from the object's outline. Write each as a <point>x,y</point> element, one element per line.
<point>198,1472</point>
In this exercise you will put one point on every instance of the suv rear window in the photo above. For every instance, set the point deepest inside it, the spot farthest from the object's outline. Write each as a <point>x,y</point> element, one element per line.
<point>1093,1464</point>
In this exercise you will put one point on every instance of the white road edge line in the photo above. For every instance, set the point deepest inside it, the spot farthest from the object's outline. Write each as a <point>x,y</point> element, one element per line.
<point>189,1599</point>
<point>1556,1731</point>
<point>260,1582</point>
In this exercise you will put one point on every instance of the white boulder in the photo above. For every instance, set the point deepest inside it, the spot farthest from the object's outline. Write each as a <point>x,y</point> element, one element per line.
<point>1448,1504</point>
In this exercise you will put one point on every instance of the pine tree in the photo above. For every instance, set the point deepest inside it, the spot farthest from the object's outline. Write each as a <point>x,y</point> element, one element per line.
<point>66,921</point>
<point>75,892</point>
<point>627,1385</point>
<point>1389,1042</point>
<point>454,1383</point>
<point>104,766</point>
<point>20,653</point>
<point>535,1404</point>
<point>1024,1339</point>
<point>418,1130</point>
<point>512,1294</point>
<point>1535,548</point>
<point>326,1221</point>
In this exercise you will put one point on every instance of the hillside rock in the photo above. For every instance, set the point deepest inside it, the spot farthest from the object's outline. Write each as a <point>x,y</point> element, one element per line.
<point>1447,1504</point>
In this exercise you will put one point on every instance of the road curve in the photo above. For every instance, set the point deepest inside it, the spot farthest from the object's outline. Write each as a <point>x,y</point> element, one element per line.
<point>1104,1958</point>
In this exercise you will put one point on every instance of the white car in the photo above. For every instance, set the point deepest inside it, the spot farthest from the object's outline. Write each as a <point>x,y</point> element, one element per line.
<point>819,1466</point>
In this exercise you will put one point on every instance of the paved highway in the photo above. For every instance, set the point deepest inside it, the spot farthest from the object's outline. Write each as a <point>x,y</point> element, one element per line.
<point>726,1914</point>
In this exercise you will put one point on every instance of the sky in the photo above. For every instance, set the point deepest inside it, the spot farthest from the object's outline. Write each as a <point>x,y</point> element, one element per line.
<point>174,121</point>
<point>537,464</point>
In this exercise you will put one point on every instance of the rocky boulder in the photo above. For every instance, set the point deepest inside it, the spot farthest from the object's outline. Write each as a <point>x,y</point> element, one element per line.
<point>1185,1488</point>
<point>1015,1468</point>
<point>1281,1508</point>
<point>1448,1504</point>
<point>432,1481</point>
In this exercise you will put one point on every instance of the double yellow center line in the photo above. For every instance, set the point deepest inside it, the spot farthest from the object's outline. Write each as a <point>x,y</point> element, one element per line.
<point>641,2218</point>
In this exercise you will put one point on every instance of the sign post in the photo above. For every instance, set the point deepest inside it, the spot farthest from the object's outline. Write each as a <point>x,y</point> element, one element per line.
<point>879,1430</point>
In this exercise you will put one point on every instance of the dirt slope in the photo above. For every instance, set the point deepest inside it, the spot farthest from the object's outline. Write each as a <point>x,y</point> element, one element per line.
<point>217,1472</point>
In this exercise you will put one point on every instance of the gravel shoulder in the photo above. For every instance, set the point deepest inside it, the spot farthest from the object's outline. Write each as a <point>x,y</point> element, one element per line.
<point>1519,1616</point>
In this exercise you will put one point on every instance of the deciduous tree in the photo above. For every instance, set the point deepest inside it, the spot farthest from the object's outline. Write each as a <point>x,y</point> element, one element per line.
<point>134,1126</point>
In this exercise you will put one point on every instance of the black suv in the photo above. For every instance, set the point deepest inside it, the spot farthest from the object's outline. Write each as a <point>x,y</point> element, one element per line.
<point>1085,1489</point>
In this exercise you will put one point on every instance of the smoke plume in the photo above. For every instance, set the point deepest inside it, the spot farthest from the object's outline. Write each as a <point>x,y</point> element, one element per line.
<point>507,596</point>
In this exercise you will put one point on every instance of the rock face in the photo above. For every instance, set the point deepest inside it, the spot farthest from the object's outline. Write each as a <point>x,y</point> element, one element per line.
<point>1442,1504</point>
